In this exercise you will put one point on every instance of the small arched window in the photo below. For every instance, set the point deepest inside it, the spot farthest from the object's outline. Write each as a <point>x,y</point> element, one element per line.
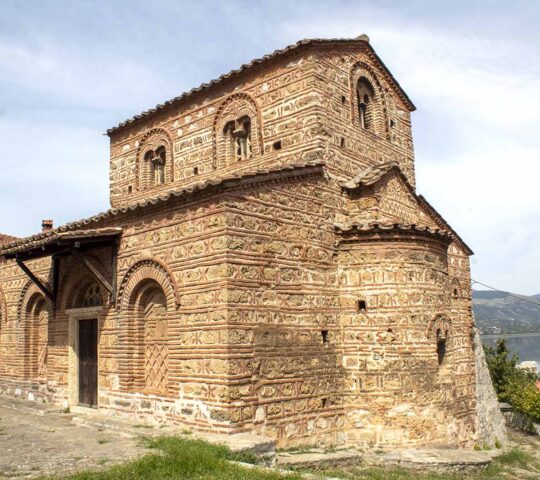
<point>365,98</point>
<point>158,166</point>
<point>441,346</point>
<point>238,139</point>
<point>92,297</point>
<point>156,160</point>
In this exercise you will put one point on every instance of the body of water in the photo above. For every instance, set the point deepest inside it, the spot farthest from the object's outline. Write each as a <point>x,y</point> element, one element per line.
<point>525,345</point>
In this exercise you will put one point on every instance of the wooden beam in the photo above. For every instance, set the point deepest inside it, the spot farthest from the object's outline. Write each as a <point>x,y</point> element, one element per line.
<point>36,281</point>
<point>94,271</point>
<point>55,275</point>
<point>114,267</point>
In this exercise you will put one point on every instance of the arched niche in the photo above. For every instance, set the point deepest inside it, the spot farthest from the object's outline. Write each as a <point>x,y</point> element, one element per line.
<point>237,131</point>
<point>368,102</point>
<point>147,298</point>
<point>155,162</point>
<point>35,314</point>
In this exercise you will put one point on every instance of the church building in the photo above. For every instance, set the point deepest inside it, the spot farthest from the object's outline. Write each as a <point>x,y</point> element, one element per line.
<point>266,266</point>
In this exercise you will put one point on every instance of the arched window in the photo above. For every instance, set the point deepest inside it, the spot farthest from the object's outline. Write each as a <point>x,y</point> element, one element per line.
<point>92,297</point>
<point>365,99</point>
<point>238,139</point>
<point>237,131</point>
<point>156,160</point>
<point>441,346</point>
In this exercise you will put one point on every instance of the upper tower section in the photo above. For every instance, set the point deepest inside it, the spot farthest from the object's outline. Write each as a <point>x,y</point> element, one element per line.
<point>331,100</point>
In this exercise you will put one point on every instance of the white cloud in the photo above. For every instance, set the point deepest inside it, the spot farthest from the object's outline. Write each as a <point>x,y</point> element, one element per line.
<point>92,79</point>
<point>66,77</point>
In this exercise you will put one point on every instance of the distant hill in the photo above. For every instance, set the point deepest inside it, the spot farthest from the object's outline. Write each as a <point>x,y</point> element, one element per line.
<point>497,312</point>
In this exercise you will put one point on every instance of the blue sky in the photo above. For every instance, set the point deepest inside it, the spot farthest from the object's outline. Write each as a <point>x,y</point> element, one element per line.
<point>70,70</point>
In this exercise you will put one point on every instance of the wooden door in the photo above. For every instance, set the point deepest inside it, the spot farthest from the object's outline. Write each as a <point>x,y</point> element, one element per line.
<point>88,372</point>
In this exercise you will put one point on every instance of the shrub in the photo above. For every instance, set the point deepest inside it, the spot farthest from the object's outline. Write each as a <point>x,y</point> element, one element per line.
<point>513,385</point>
<point>525,398</point>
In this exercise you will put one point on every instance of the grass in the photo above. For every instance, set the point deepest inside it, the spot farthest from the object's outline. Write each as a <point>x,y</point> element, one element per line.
<point>176,458</point>
<point>512,465</point>
<point>182,459</point>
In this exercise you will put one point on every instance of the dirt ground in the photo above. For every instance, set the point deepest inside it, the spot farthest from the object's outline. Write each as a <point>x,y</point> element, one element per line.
<point>33,445</point>
<point>57,443</point>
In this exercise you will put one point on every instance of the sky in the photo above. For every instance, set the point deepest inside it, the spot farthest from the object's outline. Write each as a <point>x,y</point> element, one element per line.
<point>70,70</point>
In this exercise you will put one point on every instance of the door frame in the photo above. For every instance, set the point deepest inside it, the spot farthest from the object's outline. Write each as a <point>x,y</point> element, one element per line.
<point>74,316</point>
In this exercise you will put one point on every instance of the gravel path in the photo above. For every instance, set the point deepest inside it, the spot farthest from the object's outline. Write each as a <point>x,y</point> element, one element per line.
<point>33,445</point>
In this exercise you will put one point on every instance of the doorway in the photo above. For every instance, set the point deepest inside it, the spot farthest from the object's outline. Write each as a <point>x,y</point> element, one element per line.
<point>88,363</point>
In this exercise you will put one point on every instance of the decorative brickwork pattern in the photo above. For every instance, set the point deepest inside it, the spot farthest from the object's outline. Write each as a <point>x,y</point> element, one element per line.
<point>267,266</point>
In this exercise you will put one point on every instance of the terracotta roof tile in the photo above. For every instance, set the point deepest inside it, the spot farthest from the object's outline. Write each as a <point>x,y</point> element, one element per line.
<point>374,174</point>
<point>54,236</point>
<point>385,227</point>
<point>7,239</point>
<point>371,175</point>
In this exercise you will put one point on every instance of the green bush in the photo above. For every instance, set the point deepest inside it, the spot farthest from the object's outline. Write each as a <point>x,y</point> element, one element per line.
<point>525,398</point>
<point>513,385</point>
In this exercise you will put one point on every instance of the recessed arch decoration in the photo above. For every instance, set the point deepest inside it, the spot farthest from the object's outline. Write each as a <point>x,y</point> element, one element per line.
<point>155,162</point>
<point>147,298</point>
<point>237,130</point>
<point>77,284</point>
<point>439,330</point>
<point>27,291</point>
<point>34,314</point>
<point>148,269</point>
<point>441,322</point>
<point>370,106</point>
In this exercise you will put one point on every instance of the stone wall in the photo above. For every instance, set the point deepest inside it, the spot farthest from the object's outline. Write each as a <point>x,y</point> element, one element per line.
<point>394,298</point>
<point>355,148</point>
<point>491,425</point>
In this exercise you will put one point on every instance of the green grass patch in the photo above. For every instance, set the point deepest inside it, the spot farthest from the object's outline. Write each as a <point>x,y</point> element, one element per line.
<point>176,458</point>
<point>516,458</point>
<point>503,467</point>
<point>182,459</point>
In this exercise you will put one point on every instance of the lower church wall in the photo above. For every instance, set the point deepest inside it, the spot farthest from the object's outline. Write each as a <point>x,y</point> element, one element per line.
<point>396,314</point>
<point>242,315</point>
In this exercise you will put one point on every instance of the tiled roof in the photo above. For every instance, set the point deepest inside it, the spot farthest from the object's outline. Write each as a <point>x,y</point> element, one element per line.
<point>371,175</point>
<point>58,237</point>
<point>6,239</point>
<point>379,227</point>
<point>277,53</point>
<point>254,175</point>
<point>374,174</point>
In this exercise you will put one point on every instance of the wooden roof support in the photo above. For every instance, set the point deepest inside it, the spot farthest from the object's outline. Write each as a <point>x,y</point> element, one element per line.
<point>94,271</point>
<point>37,281</point>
